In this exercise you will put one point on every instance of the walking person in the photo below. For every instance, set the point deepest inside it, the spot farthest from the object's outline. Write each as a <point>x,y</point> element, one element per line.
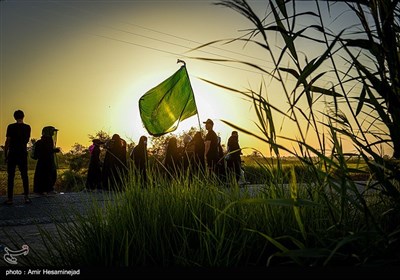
<point>198,164</point>
<point>233,160</point>
<point>115,163</point>
<point>16,154</point>
<point>173,158</point>
<point>221,170</point>
<point>211,147</point>
<point>46,168</point>
<point>139,157</point>
<point>187,153</point>
<point>93,181</point>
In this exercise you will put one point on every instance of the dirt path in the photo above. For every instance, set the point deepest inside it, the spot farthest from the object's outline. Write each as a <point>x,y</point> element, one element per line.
<point>20,223</point>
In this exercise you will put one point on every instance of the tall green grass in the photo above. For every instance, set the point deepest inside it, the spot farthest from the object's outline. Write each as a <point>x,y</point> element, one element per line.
<point>193,222</point>
<point>331,112</point>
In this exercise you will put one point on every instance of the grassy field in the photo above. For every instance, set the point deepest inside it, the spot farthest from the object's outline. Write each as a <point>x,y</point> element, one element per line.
<point>258,170</point>
<point>197,222</point>
<point>18,189</point>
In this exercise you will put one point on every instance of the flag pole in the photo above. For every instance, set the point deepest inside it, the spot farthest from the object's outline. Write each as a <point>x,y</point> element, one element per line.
<point>194,98</point>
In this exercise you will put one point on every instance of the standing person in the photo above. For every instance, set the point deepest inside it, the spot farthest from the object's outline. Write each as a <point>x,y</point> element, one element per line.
<point>173,157</point>
<point>16,154</point>
<point>233,161</point>
<point>221,170</point>
<point>139,157</point>
<point>93,181</point>
<point>199,152</point>
<point>115,164</point>
<point>188,152</point>
<point>108,163</point>
<point>211,147</point>
<point>46,169</point>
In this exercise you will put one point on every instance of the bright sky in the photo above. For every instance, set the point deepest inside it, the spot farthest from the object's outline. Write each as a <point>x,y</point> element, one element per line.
<point>82,66</point>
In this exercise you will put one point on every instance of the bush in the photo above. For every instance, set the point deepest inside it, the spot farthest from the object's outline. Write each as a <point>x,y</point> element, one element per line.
<point>72,181</point>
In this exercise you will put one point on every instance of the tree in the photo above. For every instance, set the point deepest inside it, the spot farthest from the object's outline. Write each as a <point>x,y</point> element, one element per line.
<point>159,144</point>
<point>78,149</point>
<point>101,135</point>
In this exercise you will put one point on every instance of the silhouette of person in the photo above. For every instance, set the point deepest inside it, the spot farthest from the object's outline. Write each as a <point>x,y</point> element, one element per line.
<point>46,169</point>
<point>187,151</point>
<point>172,157</point>
<point>93,181</point>
<point>115,164</point>
<point>139,157</point>
<point>211,147</point>
<point>233,162</point>
<point>221,170</point>
<point>16,154</point>
<point>199,152</point>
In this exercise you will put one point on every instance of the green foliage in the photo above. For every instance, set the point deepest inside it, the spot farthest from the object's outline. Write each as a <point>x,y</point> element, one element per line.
<point>77,162</point>
<point>72,180</point>
<point>159,144</point>
<point>192,222</point>
<point>101,135</point>
<point>339,117</point>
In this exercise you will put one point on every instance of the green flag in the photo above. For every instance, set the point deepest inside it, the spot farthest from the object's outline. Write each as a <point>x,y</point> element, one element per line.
<point>164,106</point>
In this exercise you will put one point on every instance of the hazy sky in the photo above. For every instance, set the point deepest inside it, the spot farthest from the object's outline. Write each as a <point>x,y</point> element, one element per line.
<point>82,66</point>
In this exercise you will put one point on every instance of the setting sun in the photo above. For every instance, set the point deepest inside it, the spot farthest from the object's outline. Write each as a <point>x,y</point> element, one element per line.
<point>83,67</point>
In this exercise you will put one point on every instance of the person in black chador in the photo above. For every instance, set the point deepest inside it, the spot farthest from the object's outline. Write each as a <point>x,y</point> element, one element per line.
<point>187,152</point>
<point>115,164</point>
<point>173,157</point>
<point>46,169</point>
<point>93,181</point>
<point>211,147</point>
<point>16,154</point>
<point>233,160</point>
<point>199,151</point>
<point>221,170</point>
<point>139,157</point>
